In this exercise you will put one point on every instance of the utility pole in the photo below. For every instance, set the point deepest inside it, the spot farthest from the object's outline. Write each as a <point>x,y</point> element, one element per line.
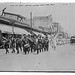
<point>13,28</point>
<point>12,23</point>
<point>31,20</point>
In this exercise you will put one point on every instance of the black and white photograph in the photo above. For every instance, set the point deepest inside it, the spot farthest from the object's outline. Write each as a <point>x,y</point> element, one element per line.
<point>37,37</point>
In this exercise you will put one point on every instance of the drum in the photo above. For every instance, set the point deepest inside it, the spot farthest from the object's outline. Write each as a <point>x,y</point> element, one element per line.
<point>27,45</point>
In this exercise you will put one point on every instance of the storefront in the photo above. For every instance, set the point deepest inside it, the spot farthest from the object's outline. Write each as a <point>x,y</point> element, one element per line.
<point>8,30</point>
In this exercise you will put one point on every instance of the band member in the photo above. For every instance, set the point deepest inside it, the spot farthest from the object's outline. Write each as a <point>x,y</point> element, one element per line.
<point>25,45</point>
<point>18,44</point>
<point>31,42</point>
<point>46,43</point>
<point>6,46</point>
<point>35,45</point>
<point>52,42</point>
<point>13,41</point>
<point>43,43</point>
<point>39,44</point>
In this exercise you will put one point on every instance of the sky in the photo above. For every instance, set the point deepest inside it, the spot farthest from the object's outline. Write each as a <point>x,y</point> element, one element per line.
<point>61,12</point>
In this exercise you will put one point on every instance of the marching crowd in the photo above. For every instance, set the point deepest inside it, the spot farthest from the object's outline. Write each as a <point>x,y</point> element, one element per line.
<point>26,43</point>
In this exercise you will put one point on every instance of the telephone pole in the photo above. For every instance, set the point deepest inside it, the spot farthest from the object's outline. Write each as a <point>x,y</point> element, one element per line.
<point>12,23</point>
<point>31,20</point>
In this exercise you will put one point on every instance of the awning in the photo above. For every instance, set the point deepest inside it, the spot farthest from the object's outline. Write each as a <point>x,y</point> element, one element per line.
<point>20,31</point>
<point>8,29</point>
<point>5,29</point>
<point>37,33</point>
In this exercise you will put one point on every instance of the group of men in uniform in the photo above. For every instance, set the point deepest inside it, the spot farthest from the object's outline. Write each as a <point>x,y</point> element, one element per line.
<point>26,43</point>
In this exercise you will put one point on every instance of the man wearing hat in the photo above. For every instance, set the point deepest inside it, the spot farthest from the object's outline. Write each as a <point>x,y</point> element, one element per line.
<point>46,43</point>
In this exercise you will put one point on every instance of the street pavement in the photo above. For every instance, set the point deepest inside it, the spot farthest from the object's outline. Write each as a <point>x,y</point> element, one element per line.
<point>61,59</point>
